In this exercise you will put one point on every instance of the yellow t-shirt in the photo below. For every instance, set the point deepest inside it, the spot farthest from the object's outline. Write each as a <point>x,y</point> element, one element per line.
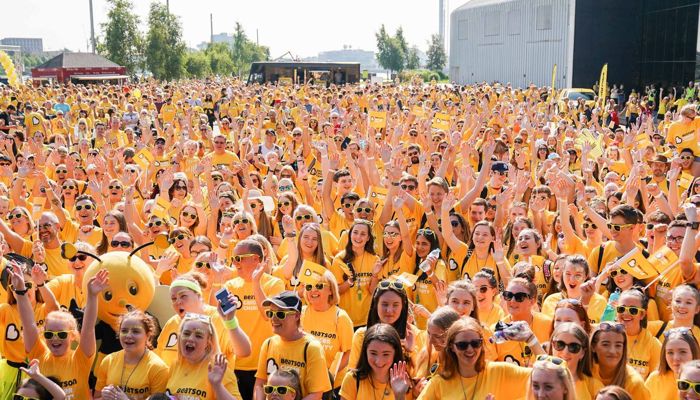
<point>424,291</point>
<point>304,355</point>
<point>655,326</point>
<point>405,263</point>
<point>366,389</point>
<point>683,136</point>
<point>71,233</point>
<point>12,343</point>
<point>493,316</point>
<point>72,369</point>
<point>330,245</point>
<point>643,352</point>
<point>519,353</point>
<point>357,299</point>
<point>250,318</point>
<point>227,158</point>
<point>167,340</point>
<point>587,388</point>
<point>190,382</point>
<point>634,384</point>
<point>503,380</point>
<point>140,380</point>
<point>65,289</point>
<point>664,290</point>
<point>333,329</point>
<point>419,342</point>
<point>595,309</point>
<point>168,113</point>
<point>663,386</point>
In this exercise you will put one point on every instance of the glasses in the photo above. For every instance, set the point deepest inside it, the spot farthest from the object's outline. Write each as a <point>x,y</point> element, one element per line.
<point>238,258</point>
<point>189,215</point>
<point>61,171</point>
<point>617,272</point>
<point>464,345</point>
<point>114,187</point>
<point>682,385</point>
<point>686,158</point>
<point>178,237</point>
<point>554,360</point>
<point>69,187</point>
<point>677,239</point>
<point>118,243</point>
<point>46,226</point>
<point>363,209</point>
<point>281,390</point>
<point>197,317</point>
<point>176,187</point>
<point>20,397</point>
<point>573,348</point>
<point>86,206</point>
<point>483,289</point>
<point>81,257</point>
<point>15,216</point>
<point>629,310</point>
<point>241,221</point>
<point>27,286</point>
<point>683,331</point>
<point>278,314</point>
<point>286,188</point>
<point>348,205</point>
<point>518,297</point>
<point>217,178</point>
<point>611,326</point>
<point>391,234</point>
<point>318,286</point>
<point>454,224</point>
<point>619,227</point>
<point>202,264</point>
<point>156,223</point>
<point>408,187</point>
<point>48,335</point>
<point>589,225</point>
<point>391,284</point>
<point>300,217</point>
<point>286,176</point>
<point>284,204</point>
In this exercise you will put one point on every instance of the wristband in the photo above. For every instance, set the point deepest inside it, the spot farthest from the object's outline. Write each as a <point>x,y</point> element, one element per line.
<point>395,183</point>
<point>21,292</point>
<point>694,225</point>
<point>42,285</point>
<point>231,324</point>
<point>532,341</point>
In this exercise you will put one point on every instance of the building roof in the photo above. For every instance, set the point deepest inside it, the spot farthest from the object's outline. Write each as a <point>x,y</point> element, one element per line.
<point>78,60</point>
<point>480,3</point>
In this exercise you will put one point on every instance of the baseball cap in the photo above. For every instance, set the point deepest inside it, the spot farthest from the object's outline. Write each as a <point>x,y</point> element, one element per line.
<point>499,166</point>
<point>286,300</point>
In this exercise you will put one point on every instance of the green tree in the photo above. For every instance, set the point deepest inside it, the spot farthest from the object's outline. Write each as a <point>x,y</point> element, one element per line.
<point>390,53</point>
<point>246,51</point>
<point>412,59</point>
<point>437,59</point>
<point>403,43</point>
<point>220,57</point>
<point>197,65</point>
<point>165,49</point>
<point>122,41</point>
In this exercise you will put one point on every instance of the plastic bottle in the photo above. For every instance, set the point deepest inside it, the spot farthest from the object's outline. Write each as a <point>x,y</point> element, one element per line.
<point>610,314</point>
<point>425,265</point>
<point>508,333</point>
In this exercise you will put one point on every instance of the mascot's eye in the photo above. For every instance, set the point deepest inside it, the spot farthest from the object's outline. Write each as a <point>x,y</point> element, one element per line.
<point>133,289</point>
<point>108,295</point>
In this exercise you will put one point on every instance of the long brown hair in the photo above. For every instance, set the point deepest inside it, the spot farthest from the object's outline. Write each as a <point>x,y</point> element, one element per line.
<point>451,367</point>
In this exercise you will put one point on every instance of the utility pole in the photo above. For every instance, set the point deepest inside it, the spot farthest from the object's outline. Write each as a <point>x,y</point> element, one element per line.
<point>257,37</point>
<point>92,29</point>
<point>211,28</point>
<point>167,5</point>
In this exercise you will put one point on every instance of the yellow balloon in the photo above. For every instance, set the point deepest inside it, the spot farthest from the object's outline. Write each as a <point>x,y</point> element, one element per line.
<point>9,68</point>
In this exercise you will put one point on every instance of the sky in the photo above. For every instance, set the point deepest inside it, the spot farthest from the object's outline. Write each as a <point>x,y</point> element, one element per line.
<point>302,27</point>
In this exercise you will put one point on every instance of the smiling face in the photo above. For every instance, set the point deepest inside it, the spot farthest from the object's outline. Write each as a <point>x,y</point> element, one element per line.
<point>359,236</point>
<point>470,355</point>
<point>609,349</point>
<point>684,306</point>
<point>519,311</point>
<point>57,346</point>
<point>461,301</point>
<point>574,276</point>
<point>482,237</point>
<point>546,385</point>
<point>380,356</point>
<point>132,335</point>
<point>527,244</point>
<point>677,353</point>
<point>194,341</point>
<point>572,358</point>
<point>632,322</point>
<point>308,242</point>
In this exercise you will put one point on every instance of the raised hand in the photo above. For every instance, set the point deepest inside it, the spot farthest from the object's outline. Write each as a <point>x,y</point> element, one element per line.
<point>399,379</point>
<point>98,283</point>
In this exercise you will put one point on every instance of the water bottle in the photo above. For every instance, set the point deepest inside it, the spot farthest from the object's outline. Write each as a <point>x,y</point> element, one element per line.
<point>506,332</point>
<point>425,265</point>
<point>609,314</point>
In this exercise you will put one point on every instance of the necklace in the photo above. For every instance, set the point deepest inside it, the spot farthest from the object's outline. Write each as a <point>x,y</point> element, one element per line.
<point>374,392</point>
<point>476,385</point>
<point>359,286</point>
<point>123,384</point>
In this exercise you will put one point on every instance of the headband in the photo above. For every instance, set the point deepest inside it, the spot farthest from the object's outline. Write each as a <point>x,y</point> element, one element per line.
<point>194,286</point>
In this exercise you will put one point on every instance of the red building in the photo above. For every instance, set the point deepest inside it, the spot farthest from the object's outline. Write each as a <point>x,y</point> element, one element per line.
<point>79,68</point>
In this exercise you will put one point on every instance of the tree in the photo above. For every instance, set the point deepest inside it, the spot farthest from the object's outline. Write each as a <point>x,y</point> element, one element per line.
<point>402,42</point>
<point>220,57</point>
<point>437,59</point>
<point>165,49</point>
<point>412,59</point>
<point>246,51</point>
<point>197,65</point>
<point>390,53</point>
<point>122,42</point>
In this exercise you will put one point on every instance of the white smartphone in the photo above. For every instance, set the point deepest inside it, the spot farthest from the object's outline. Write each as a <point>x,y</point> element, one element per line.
<point>222,297</point>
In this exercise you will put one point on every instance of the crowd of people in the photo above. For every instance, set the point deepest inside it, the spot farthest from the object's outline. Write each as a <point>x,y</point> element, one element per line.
<point>398,241</point>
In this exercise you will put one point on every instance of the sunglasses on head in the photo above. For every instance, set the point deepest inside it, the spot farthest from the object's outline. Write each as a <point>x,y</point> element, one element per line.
<point>202,264</point>
<point>306,217</point>
<point>281,390</point>
<point>240,257</point>
<point>684,385</point>
<point>120,243</point>
<point>611,326</point>
<point>278,314</point>
<point>319,286</point>
<point>573,348</point>
<point>618,227</point>
<point>241,221</point>
<point>391,284</point>
<point>630,310</point>
<point>554,360</point>
<point>81,257</point>
<point>465,344</point>
<point>48,335</point>
<point>518,297</point>
<point>617,272</point>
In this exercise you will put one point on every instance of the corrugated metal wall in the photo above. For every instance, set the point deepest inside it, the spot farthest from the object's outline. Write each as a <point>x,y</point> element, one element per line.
<point>516,41</point>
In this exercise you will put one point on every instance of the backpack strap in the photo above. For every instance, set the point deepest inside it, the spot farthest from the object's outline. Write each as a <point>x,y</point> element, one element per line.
<point>601,251</point>
<point>306,346</point>
<point>661,330</point>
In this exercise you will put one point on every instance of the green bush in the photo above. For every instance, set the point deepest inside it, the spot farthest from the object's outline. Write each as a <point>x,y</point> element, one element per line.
<point>426,75</point>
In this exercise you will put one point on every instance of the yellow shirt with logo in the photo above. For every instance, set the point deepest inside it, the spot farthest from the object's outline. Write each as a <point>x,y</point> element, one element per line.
<point>643,352</point>
<point>65,289</point>
<point>519,353</point>
<point>12,342</point>
<point>357,299</point>
<point>333,329</point>
<point>72,369</point>
<point>366,389</point>
<point>424,291</point>
<point>684,136</point>
<point>502,380</point>
<point>595,308</point>
<point>305,355</point>
<point>190,382</point>
<point>140,380</point>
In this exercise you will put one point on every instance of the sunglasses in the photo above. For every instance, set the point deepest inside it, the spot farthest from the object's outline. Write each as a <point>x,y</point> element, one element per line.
<point>176,187</point>
<point>391,234</point>
<point>284,204</point>
<point>682,385</point>
<point>15,216</point>
<point>61,171</point>
<point>616,272</point>
<point>217,178</point>
<point>363,209</point>
<point>686,158</point>
<point>619,227</point>
<point>300,217</point>
<point>483,289</point>
<point>69,187</point>
<point>391,284</point>
<point>454,224</point>
<point>611,326</point>
<point>684,331</point>
<point>241,221</point>
<point>202,264</point>
<point>48,335</point>
<point>278,314</point>
<point>156,223</point>
<point>286,188</point>
<point>118,243</point>
<point>518,297</point>
<point>238,258</point>
<point>178,237</point>
<point>464,345</point>
<point>114,187</point>
<point>318,286</point>
<point>554,360</point>
<point>408,187</point>
<point>587,225</point>
<point>573,348</point>
<point>281,390</point>
<point>20,397</point>
<point>81,257</point>
<point>27,286</point>
<point>189,215</point>
<point>348,205</point>
<point>629,310</point>
<point>86,206</point>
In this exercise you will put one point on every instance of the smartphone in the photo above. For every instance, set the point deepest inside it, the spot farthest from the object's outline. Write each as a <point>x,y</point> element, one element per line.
<point>222,297</point>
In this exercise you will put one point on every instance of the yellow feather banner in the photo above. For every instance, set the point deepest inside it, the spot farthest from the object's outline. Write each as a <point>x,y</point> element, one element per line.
<point>9,67</point>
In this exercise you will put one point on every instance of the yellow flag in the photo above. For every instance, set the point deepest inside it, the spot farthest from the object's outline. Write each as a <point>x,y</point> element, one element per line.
<point>603,84</point>
<point>144,158</point>
<point>161,208</point>
<point>418,111</point>
<point>378,194</point>
<point>685,180</point>
<point>638,266</point>
<point>441,121</point>
<point>662,258</point>
<point>409,280</point>
<point>377,119</point>
<point>554,76</point>
<point>311,272</point>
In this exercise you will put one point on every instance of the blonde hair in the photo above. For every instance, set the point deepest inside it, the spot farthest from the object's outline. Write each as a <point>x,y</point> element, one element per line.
<point>562,373</point>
